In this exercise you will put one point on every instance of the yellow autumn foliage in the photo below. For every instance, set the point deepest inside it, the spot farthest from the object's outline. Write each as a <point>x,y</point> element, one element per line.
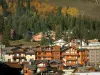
<point>11,7</point>
<point>0,10</point>
<point>44,8</point>
<point>73,11</point>
<point>64,11</point>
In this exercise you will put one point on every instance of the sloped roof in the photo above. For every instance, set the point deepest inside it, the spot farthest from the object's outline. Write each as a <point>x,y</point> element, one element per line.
<point>14,65</point>
<point>60,41</point>
<point>31,67</point>
<point>30,52</point>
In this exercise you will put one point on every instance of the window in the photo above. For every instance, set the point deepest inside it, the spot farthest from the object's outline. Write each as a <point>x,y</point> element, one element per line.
<point>69,56</point>
<point>22,60</point>
<point>17,55</point>
<point>69,61</point>
<point>22,55</point>
<point>25,59</point>
<point>17,60</point>
<point>9,60</point>
<point>67,52</point>
<point>26,71</point>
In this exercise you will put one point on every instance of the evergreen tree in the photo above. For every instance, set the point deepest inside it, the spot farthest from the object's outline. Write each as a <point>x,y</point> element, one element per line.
<point>28,6</point>
<point>6,33</point>
<point>1,24</point>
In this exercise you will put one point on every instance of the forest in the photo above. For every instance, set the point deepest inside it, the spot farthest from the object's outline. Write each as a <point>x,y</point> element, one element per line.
<point>27,16</point>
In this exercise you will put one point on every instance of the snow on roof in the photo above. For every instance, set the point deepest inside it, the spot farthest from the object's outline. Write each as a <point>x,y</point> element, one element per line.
<point>60,41</point>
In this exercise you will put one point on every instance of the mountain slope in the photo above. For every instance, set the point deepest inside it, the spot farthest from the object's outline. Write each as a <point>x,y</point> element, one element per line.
<point>85,7</point>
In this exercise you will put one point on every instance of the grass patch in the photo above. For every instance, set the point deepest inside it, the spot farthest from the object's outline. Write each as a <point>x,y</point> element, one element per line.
<point>23,42</point>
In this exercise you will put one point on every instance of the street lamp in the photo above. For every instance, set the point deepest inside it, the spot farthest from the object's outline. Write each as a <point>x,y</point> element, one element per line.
<point>2,53</point>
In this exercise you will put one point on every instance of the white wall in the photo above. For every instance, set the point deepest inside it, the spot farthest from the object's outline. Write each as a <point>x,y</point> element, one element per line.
<point>28,57</point>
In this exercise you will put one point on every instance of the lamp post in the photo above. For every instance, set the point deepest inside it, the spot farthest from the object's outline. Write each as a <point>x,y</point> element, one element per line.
<point>2,53</point>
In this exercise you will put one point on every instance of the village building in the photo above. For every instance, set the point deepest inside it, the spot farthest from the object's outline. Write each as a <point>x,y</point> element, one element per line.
<point>51,54</point>
<point>48,53</point>
<point>39,36</point>
<point>60,42</point>
<point>86,71</point>
<point>19,55</point>
<point>94,52</point>
<point>29,69</point>
<point>72,57</point>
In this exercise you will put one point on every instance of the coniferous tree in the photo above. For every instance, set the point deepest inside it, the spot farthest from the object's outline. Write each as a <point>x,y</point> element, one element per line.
<point>28,6</point>
<point>6,32</point>
<point>1,24</point>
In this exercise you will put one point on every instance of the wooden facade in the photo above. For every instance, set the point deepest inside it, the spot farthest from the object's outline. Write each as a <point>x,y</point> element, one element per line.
<point>48,53</point>
<point>83,56</point>
<point>29,69</point>
<point>72,56</point>
<point>19,56</point>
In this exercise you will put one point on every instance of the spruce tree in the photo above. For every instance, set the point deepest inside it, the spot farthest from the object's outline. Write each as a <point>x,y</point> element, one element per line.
<point>1,24</point>
<point>6,32</point>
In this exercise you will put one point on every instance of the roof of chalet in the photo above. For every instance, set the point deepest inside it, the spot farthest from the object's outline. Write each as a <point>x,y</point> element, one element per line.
<point>82,69</point>
<point>86,69</point>
<point>57,61</point>
<point>9,48</point>
<point>41,61</point>
<point>31,67</point>
<point>14,65</point>
<point>60,41</point>
<point>64,48</point>
<point>30,52</point>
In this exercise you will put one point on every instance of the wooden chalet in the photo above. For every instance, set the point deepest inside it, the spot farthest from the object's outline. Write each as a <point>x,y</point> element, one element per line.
<point>72,56</point>
<point>48,53</point>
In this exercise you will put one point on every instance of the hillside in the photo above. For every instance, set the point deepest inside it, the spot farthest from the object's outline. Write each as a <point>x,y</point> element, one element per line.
<point>85,7</point>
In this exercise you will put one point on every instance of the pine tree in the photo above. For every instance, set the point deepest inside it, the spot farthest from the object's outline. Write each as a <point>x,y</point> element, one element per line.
<point>28,6</point>
<point>6,33</point>
<point>1,24</point>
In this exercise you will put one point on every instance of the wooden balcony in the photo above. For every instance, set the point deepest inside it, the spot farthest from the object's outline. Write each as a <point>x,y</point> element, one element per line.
<point>18,57</point>
<point>70,64</point>
<point>71,59</point>
<point>70,54</point>
<point>43,55</point>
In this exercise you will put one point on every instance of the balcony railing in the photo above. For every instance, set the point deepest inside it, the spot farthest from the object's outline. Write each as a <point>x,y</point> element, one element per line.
<point>18,57</point>
<point>70,64</point>
<point>75,54</point>
<point>71,59</point>
<point>43,55</point>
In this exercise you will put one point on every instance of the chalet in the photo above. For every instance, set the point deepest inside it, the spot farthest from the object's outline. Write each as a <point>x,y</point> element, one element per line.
<point>69,56</point>
<point>38,37</point>
<point>83,56</point>
<point>60,42</point>
<point>72,56</point>
<point>19,55</point>
<point>86,70</point>
<point>30,55</point>
<point>41,65</point>
<point>48,53</point>
<point>29,69</point>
